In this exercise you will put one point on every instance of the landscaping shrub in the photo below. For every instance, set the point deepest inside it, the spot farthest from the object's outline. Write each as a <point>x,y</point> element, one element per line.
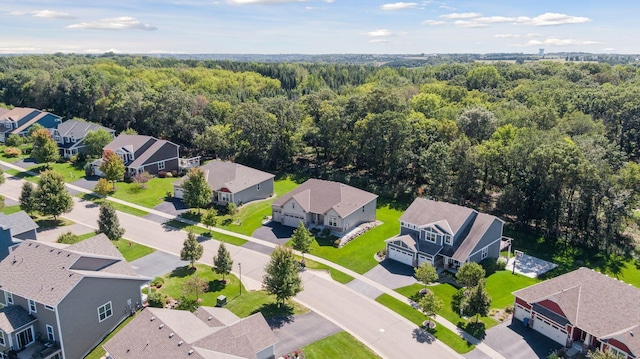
<point>509,309</point>
<point>12,152</point>
<point>169,175</point>
<point>162,174</point>
<point>67,238</point>
<point>336,243</point>
<point>142,178</point>
<point>14,140</point>
<point>157,300</point>
<point>157,282</point>
<point>492,265</point>
<point>382,253</point>
<point>174,173</point>
<point>325,233</point>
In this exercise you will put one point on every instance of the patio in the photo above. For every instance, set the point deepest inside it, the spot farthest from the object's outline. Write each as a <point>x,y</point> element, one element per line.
<point>529,266</point>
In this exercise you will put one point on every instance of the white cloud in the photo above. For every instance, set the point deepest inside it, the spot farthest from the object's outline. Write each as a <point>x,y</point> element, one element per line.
<point>329,1</point>
<point>243,2</point>
<point>434,22</point>
<point>398,6</point>
<point>447,7</point>
<point>118,23</point>
<point>560,42</point>
<point>464,15</point>
<point>52,14</point>
<point>552,19</point>
<point>516,35</point>
<point>379,33</point>
<point>465,23</point>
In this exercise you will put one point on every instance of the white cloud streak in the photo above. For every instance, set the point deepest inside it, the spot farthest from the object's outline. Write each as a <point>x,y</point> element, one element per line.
<point>464,15</point>
<point>398,6</point>
<point>118,23</point>
<point>52,14</point>
<point>560,42</point>
<point>268,2</point>
<point>434,22</point>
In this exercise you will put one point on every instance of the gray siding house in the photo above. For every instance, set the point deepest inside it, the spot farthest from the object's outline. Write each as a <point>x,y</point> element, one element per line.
<point>444,234</point>
<point>143,154</point>
<point>233,182</point>
<point>332,205</point>
<point>18,121</point>
<point>70,135</point>
<point>61,301</point>
<point>207,333</point>
<point>14,229</point>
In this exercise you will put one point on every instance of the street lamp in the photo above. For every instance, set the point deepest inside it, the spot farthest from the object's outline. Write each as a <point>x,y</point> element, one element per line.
<point>240,267</point>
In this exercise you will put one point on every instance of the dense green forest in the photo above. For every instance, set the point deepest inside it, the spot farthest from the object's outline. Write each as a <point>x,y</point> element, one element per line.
<point>548,145</point>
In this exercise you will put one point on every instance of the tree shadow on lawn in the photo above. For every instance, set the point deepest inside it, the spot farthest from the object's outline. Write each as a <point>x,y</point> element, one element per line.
<point>49,223</point>
<point>273,310</point>
<point>216,285</point>
<point>422,335</point>
<point>182,272</point>
<point>476,329</point>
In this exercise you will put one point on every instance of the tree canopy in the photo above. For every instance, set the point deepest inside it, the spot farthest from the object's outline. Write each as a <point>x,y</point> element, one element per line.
<point>51,196</point>
<point>197,192</point>
<point>282,277</point>
<point>191,249</point>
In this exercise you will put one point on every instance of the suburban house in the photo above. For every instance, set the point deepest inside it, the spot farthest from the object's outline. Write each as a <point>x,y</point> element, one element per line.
<point>584,310</point>
<point>18,121</point>
<point>233,182</point>
<point>70,135</point>
<point>60,301</point>
<point>332,205</point>
<point>14,229</point>
<point>207,333</point>
<point>142,154</point>
<point>444,234</point>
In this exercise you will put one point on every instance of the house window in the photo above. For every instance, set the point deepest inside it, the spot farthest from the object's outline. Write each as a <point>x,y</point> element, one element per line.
<point>7,124</point>
<point>293,205</point>
<point>50,336</point>
<point>447,239</point>
<point>8,298</point>
<point>2,342</point>
<point>485,253</point>
<point>161,165</point>
<point>105,311</point>
<point>431,236</point>
<point>57,138</point>
<point>50,308</point>
<point>333,222</point>
<point>66,139</point>
<point>362,208</point>
<point>32,307</point>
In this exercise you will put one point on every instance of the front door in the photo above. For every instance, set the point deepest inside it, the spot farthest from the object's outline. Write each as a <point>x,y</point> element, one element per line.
<point>25,337</point>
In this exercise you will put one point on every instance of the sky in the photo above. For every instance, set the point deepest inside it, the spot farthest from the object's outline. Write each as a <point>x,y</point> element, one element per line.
<point>318,26</point>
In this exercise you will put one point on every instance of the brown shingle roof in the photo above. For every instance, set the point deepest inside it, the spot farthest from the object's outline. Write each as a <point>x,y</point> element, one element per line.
<point>592,301</point>
<point>46,273</point>
<point>319,196</point>
<point>233,176</point>
<point>143,337</point>
<point>424,211</point>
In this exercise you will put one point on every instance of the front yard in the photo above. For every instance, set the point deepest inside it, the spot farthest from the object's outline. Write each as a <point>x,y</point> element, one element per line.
<point>156,191</point>
<point>339,345</point>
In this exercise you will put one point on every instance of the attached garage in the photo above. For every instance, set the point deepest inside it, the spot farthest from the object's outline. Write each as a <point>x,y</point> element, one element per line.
<point>520,312</point>
<point>400,255</point>
<point>424,258</point>
<point>292,220</point>
<point>550,329</point>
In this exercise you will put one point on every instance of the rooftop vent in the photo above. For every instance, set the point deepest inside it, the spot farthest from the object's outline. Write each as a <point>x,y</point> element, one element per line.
<point>180,343</point>
<point>161,326</point>
<point>190,351</point>
<point>153,318</point>
<point>209,318</point>
<point>170,335</point>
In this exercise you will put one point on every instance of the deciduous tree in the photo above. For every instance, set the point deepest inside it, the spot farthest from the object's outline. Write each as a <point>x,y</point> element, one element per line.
<point>95,141</point>
<point>27,198</point>
<point>426,274</point>
<point>281,277</point>
<point>301,239</point>
<point>470,274</point>
<point>52,198</point>
<point>430,304</point>
<point>195,286</point>
<point>197,192</point>
<point>45,149</point>
<point>108,222</point>
<point>222,263</point>
<point>210,218</point>
<point>191,249</point>
<point>112,166</point>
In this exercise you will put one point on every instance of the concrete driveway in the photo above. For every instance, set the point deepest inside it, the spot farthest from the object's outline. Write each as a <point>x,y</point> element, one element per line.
<point>274,232</point>
<point>297,331</point>
<point>52,234</point>
<point>88,182</point>
<point>515,341</point>
<point>157,264</point>
<point>392,274</point>
<point>173,206</point>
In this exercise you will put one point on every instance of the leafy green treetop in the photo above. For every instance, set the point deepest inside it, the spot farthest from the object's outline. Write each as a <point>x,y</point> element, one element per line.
<point>210,218</point>
<point>191,249</point>
<point>197,192</point>
<point>52,197</point>
<point>470,274</point>
<point>112,166</point>
<point>430,304</point>
<point>478,302</point>
<point>302,239</point>
<point>27,198</point>
<point>426,273</point>
<point>222,263</point>
<point>281,276</point>
<point>95,141</point>
<point>45,149</point>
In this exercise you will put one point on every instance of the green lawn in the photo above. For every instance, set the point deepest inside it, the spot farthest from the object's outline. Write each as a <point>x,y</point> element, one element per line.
<point>23,175</point>
<point>5,158</point>
<point>71,171</point>
<point>117,206</point>
<point>358,255</point>
<point>451,339</point>
<point>205,232</point>
<point>131,250</point>
<point>153,195</point>
<point>98,352</point>
<point>337,275</point>
<point>341,345</point>
<point>241,305</point>
<point>11,209</point>
<point>501,284</point>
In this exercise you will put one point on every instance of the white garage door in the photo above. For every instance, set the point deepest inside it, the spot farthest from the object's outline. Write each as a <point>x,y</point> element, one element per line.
<point>400,255</point>
<point>519,312</point>
<point>177,192</point>
<point>423,258</point>
<point>550,329</point>
<point>292,220</point>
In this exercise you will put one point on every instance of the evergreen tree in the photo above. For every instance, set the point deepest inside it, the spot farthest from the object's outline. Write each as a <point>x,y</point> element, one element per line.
<point>301,239</point>
<point>45,149</point>
<point>222,263</point>
<point>51,196</point>
<point>478,302</point>
<point>112,166</point>
<point>108,222</point>
<point>426,274</point>
<point>197,192</point>
<point>27,198</point>
<point>191,249</point>
<point>281,275</point>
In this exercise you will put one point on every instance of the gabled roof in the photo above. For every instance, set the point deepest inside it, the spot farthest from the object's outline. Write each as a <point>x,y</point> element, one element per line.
<point>14,317</point>
<point>232,176</point>
<point>319,196</point>
<point>79,129</point>
<point>32,121</point>
<point>19,222</point>
<point>141,146</point>
<point>47,273</point>
<point>156,333</point>
<point>594,302</point>
<point>142,158</point>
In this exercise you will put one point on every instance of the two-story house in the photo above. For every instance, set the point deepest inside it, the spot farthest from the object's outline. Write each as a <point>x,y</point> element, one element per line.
<point>14,229</point>
<point>444,234</point>
<point>18,121</point>
<point>70,135</point>
<point>143,154</point>
<point>61,301</point>
<point>329,204</point>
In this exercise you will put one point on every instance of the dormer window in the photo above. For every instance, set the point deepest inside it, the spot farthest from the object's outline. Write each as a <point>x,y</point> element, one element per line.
<point>431,236</point>
<point>8,297</point>
<point>7,124</point>
<point>447,239</point>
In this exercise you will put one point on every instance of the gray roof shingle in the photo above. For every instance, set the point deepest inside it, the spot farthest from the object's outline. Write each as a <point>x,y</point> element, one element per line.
<point>232,176</point>
<point>47,273</point>
<point>79,129</point>
<point>319,196</point>
<point>14,317</point>
<point>19,222</point>
<point>594,302</point>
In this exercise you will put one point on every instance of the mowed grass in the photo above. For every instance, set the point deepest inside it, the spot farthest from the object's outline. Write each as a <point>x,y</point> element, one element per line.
<point>358,255</point>
<point>119,207</point>
<point>341,345</point>
<point>11,209</point>
<point>336,275</point>
<point>71,171</point>
<point>155,192</point>
<point>131,250</point>
<point>451,339</point>
<point>174,223</point>
<point>501,284</point>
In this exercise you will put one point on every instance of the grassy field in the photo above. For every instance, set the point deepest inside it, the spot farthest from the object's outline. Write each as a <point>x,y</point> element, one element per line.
<point>131,250</point>
<point>71,171</point>
<point>501,284</point>
<point>99,352</point>
<point>241,305</point>
<point>117,206</point>
<point>153,195</point>
<point>11,209</point>
<point>337,275</point>
<point>5,158</point>
<point>453,340</point>
<point>341,345</point>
